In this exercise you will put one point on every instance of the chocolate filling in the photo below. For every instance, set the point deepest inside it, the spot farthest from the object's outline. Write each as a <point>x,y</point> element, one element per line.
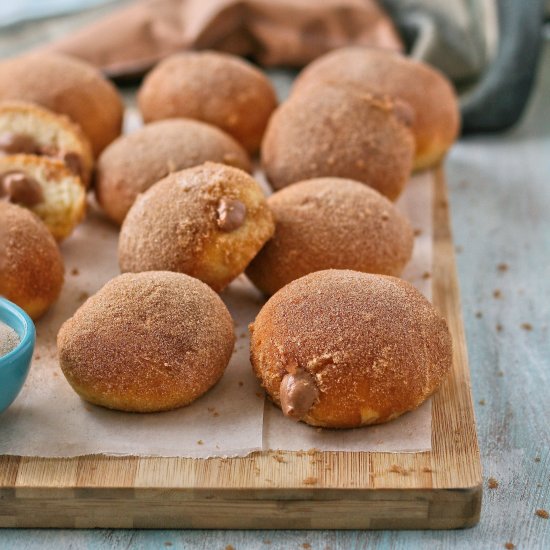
<point>13,144</point>
<point>20,188</point>
<point>297,393</point>
<point>231,214</point>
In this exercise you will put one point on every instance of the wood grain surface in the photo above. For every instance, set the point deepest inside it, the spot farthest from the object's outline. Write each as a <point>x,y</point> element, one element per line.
<point>440,489</point>
<point>500,198</point>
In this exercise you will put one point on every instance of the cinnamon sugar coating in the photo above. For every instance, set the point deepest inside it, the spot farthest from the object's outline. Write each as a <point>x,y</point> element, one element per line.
<point>429,93</point>
<point>221,89</point>
<point>31,266</point>
<point>339,131</point>
<point>147,342</point>
<point>375,347</point>
<point>331,223</point>
<point>174,226</point>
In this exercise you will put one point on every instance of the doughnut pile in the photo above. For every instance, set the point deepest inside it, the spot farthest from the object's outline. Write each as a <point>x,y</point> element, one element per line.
<point>341,342</point>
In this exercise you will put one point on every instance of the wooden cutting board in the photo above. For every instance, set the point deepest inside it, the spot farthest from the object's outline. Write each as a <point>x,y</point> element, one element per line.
<point>439,489</point>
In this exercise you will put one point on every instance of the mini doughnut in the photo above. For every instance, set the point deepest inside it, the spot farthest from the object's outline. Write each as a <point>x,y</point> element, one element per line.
<point>208,221</point>
<point>147,342</point>
<point>343,349</point>
<point>68,86</point>
<point>132,163</point>
<point>339,131</point>
<point>331,223</point>
<point>436,121</point>
<point>26,128</point>
<point>31,266</point>
<point>47,187</point>
<point>221,89</point>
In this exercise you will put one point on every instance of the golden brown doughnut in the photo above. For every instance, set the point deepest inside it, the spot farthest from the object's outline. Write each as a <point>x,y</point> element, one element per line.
<point>339,131</point>
<point>147,342</point>
<point>27,128</point>
<point>31,266</point>
<point>221,89</point>
<point>47,187</point>
<point>208,221</point>
<point>343,349</point>
<point>68,86</point>
<point>132,163</point>
<point>331,223</point>
<point>436,123</point>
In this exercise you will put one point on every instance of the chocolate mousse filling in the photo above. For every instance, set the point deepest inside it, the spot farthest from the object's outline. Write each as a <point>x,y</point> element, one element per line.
<point>12,143</point>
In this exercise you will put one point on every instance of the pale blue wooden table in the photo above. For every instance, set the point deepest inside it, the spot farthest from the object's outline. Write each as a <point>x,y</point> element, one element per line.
<point>500,201</point>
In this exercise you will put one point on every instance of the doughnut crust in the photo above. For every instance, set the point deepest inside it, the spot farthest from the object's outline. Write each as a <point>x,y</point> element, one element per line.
<point>208,221</point>
<point>217,88</point>
<point>331,223</point>
<point>147,342</point>
<point>31,266</point>
<point>343,349</point>
<point>430,94</point>
<point>339,131</point>
<point>134,162</point>
<point>68,86</point>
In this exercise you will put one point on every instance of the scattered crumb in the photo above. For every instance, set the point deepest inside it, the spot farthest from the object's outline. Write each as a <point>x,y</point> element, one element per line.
<point>312,451</point>
<point>266,541</point>
<point>306,545</point>
<point>83,296</point>
<point>279,458</point>
<point>259,394</point>
<point>497,293</point>
<point>229,547</point>
<point>74,271</point>
<point>310,481</point>
<point>539,485</point>
<point>200,442</point>
<point>499,327</point>
<point>537,459</point>
<point>479,314</point>
<point>241,383</point>
<point>417,232</point>
<point>542,514</point>
<point>526,326</point>
<point>426,275</point>
<point>502,267</point>
<point>481,402</point>
<point>492,483</point>
<point>509,546</point>
<point>500,373</point>
<point>168,543</point>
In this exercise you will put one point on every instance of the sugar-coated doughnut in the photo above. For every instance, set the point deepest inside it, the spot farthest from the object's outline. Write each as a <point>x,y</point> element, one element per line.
<point>134,162</point>
<point>31,266</point>
<point>147,342</point>
<point>343,349</point>
<point>331,223</point>
<point>208,221</point>
<point>221,89</point>
<point>436,121</point>
<point>68,86</point>
<point>340,131</point>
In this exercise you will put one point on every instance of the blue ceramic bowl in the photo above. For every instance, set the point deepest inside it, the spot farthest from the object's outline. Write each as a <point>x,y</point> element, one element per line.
<point>14,367</point>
